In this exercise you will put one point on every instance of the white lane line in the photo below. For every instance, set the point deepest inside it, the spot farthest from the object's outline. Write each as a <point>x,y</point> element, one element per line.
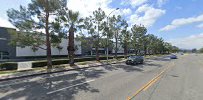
<point>70,86</point>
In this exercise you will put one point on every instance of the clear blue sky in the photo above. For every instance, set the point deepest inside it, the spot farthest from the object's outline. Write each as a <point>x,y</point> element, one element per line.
<point>177,21</point>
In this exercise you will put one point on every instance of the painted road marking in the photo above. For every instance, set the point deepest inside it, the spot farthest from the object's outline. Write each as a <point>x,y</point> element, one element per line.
<point>150,83</point>
<point>70,86</point>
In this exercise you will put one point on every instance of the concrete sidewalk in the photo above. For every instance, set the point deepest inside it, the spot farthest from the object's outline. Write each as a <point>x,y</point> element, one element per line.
<point>55,69</point>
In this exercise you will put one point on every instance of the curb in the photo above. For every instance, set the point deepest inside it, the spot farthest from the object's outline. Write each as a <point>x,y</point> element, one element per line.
<point>44,73</point>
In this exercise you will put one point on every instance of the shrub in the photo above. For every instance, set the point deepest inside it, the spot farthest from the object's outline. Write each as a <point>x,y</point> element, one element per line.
<point>60,61</point>
<point>120,56</point>
<point>8,66</point>
<point>42,63</point>
<point>39,64</point>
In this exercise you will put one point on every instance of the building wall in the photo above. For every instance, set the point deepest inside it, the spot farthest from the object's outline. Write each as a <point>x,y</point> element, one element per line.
<point>27,51</point>
<point>4,43</point>
<point>120,48</point>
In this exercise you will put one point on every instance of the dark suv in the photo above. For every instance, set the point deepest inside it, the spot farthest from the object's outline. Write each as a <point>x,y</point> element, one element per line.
<point>135,60</point>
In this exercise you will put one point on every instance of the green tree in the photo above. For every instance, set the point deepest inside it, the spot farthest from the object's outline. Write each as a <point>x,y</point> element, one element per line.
<point>201,50</point>
<point>95,26</point>
<point>34,49</point>
<point>138,35</point>
<point>150,43</point>
<point>125,40</point>
<point>117,24</point>
<point>74,23</point>
<point>35,17</point>
<point>175,49</point>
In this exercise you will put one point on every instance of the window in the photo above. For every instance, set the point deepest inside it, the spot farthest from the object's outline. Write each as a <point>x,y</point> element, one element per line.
<point>4,55</point>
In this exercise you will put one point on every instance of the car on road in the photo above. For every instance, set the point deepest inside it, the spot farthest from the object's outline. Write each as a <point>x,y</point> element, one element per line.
<point>135,60</point>
<point>173,56</point>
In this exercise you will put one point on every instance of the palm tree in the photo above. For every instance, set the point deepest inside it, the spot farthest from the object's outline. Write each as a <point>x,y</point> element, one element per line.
<point>73,22</point>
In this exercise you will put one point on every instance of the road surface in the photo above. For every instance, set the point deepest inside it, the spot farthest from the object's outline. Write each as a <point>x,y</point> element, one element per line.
<point>159,78</point>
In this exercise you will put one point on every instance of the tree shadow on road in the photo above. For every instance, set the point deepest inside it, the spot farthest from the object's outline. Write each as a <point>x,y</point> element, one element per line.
<point>162,59</point>
<point>128,68</point>
<point>152,64</point>
<point>37,90</point>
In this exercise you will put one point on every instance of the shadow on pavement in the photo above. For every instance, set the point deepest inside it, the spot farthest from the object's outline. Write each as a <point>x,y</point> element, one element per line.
<point>37,90</point>
<point>152,64</point>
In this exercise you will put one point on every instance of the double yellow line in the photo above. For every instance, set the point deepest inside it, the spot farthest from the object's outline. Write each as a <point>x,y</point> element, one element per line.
<point>150,83</point>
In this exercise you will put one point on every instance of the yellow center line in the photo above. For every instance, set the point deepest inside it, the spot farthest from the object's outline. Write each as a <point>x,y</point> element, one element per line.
<point>150,83</point>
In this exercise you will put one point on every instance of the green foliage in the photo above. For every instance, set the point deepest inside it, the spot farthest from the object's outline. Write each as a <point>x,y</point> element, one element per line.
<point>34,49</point>
<point>44,63</point>
<point>65,61</point>
<point>8,66</point>
<point>117,26</point>
<point>23,39</point>
<point>138,37</point>
<point>201,50</point>
<point>70,18</point>
<point>59,47</point>
<point>96,26</point>
<point>29,20</point>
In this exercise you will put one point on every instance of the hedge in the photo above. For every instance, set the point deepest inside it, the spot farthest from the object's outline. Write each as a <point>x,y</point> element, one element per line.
<point>8,66</point>
<point>42,63</point>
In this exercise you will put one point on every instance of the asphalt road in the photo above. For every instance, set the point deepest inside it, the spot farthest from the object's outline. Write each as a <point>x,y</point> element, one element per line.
<point>180,79</point>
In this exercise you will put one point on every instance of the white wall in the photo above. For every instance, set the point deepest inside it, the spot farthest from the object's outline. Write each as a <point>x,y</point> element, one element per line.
<point>120,48</point>
<point>27,51</point>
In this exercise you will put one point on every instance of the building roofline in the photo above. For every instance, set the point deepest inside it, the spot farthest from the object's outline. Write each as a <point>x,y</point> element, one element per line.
<point>7,27</point>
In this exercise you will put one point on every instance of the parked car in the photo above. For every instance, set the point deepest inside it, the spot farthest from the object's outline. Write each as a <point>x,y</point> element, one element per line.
<point>135,60</point>
<point>173,56</point>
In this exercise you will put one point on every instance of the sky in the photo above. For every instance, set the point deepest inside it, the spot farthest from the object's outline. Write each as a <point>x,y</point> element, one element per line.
<point>179,22</point>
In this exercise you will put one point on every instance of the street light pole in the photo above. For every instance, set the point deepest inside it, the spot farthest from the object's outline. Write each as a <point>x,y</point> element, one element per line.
<point>107,41</point>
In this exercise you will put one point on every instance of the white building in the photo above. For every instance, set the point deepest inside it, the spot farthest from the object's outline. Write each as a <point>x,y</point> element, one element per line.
<point>28,52</point>
<point>120,49</point>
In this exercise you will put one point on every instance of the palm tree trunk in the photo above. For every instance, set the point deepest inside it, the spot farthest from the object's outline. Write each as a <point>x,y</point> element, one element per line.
<point>48,44</point>
<point>71,46</point>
